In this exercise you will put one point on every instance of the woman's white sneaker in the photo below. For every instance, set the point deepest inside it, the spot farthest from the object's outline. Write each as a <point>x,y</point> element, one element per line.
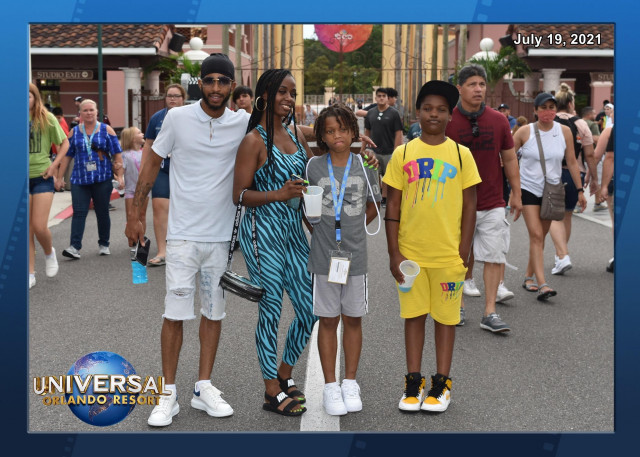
<point>562,265</point>
<point>51,264</point>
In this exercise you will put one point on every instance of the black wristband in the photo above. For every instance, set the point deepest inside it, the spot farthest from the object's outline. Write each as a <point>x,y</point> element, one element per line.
<point>391,220</point>
<point>580,190</point>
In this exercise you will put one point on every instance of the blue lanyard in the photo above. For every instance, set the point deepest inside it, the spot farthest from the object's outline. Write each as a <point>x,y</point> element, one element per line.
<point>337,199</point>
<point>88,140</point>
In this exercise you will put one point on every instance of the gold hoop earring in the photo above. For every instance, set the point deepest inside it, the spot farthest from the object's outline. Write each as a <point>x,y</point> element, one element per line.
<point>255,104</point>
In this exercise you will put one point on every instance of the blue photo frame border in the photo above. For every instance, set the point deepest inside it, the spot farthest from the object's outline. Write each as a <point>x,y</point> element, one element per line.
<point>14,229</point>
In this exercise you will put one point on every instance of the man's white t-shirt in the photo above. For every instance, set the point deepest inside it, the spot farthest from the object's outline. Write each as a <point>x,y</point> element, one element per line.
<point>203,155</point>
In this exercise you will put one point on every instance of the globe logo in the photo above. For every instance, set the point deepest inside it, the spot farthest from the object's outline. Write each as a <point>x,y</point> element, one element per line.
<point>108,410</point>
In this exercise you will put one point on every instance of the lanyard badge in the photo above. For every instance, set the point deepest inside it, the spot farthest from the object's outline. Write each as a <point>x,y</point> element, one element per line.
<point>88,140</point>
<point>340,260</point>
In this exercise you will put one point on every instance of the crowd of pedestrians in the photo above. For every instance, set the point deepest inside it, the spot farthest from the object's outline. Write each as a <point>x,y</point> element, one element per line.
<point>464,168</point>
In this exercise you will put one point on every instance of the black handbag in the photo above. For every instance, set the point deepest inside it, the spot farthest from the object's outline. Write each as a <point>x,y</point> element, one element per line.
<point>233,282</point>
<point>552,207</point>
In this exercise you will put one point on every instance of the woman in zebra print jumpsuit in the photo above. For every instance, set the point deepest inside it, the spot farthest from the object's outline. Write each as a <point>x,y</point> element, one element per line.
<point>267,158</point>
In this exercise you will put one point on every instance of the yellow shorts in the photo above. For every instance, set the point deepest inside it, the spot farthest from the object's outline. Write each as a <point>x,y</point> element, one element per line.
<point>435,291</point>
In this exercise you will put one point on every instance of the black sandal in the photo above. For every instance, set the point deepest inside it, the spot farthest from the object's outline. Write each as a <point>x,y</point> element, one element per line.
<point>543,296</point>
<point>286,385</point>
<point>274,403</point>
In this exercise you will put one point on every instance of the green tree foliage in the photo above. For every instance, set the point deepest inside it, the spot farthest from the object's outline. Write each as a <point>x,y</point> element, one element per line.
<point>172,67</point>
<point>322,64</point>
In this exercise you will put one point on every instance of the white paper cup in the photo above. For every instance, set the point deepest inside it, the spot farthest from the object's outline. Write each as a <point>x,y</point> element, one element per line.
<point>409,270</point>
<point>313,203</point>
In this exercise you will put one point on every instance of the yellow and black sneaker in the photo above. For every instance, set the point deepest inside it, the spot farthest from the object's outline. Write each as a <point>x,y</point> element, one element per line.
<point>439,395</point>
<point>413,392</point>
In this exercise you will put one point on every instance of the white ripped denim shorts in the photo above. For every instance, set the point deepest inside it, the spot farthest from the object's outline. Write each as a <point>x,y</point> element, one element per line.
<point>184,260</point>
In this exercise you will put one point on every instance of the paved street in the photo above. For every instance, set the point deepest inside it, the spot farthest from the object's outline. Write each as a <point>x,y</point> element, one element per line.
<point>552,372</point>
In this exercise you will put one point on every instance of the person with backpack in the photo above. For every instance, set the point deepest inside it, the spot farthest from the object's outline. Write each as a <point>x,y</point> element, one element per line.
<point>583,147</point>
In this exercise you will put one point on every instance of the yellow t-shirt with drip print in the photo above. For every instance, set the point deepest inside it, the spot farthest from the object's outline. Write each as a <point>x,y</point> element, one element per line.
<point>431,180</point>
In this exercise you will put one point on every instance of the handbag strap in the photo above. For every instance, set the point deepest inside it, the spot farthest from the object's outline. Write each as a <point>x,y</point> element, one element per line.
<point>234,233</point>
<point>542,162</point>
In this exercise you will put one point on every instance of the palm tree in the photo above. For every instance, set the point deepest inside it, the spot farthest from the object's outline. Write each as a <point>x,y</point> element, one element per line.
<point>172,67</point>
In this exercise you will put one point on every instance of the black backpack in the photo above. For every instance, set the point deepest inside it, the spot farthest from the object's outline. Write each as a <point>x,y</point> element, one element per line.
<point>577,146</point>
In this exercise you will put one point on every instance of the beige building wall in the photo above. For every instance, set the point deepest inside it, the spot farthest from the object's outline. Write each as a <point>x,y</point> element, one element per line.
<point>415,40</point>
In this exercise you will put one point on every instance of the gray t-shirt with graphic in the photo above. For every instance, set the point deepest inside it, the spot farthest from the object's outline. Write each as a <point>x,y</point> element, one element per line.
<point>352,216</point>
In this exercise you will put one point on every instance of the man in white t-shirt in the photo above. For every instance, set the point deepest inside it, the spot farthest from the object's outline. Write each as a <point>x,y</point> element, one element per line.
<point>202,139</point>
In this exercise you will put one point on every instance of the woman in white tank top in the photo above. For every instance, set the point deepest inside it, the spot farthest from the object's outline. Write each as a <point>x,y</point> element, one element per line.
<point>557,144</point>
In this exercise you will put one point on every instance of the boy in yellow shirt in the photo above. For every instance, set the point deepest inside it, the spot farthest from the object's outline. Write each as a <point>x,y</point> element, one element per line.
<point>430,219</point>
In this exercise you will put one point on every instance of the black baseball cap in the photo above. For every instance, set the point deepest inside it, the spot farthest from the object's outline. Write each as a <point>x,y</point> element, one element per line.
<point>78,99</point>
<point>543,97</point>
<point>436,87</point>
<point>503,105</point>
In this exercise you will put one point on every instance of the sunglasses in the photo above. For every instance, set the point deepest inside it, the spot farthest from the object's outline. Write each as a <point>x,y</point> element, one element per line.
<point>223,81</point>
<point>475,129</point>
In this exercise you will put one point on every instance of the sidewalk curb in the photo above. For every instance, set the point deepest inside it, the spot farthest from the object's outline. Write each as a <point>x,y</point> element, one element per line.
<point>68,211</point>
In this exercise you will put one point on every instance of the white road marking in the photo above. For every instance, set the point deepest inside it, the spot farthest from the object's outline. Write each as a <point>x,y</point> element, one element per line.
<point>602,221</point>
<point>315,419</point>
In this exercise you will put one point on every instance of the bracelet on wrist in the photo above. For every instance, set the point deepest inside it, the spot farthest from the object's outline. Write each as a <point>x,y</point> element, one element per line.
<point>391,220</point>
<point>580,190</point>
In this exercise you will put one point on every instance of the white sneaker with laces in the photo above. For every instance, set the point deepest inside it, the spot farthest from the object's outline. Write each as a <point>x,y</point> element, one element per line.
<point>162,414</point>
<point>71,252</point>
<point>104,250</point>
<point>470,288</point>
<point>351,395</point>
<point>32,280</point>
<point>332,400</point>
<point>503,293</point>
<point>209,399</point>
<point>562,265</point>
<point>51,264</point>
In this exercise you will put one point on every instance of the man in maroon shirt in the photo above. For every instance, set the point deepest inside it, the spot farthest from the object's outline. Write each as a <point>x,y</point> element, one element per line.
<point>486,132</point>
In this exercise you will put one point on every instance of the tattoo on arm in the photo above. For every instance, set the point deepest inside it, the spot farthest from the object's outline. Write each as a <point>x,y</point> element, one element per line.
<point>142,190</point>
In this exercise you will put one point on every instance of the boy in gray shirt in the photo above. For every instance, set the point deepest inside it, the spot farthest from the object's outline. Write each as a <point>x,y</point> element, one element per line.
<point>338,257</point>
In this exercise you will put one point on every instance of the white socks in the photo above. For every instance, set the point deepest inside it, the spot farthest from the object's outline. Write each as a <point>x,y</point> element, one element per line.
<point>202,383</point>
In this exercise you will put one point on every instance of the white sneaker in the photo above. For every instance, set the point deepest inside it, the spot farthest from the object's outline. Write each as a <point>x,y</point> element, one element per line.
<point>162,414</point>
<point>51,264</point>
<point>209,399</point>
<point>503,293</point>
<point>470,288</point>
<point>104,250</point>
<point>71,252</point>
<point>32,280</point>
<point>351,396</point>
<point>332,400</point>
<point>562,265</point>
